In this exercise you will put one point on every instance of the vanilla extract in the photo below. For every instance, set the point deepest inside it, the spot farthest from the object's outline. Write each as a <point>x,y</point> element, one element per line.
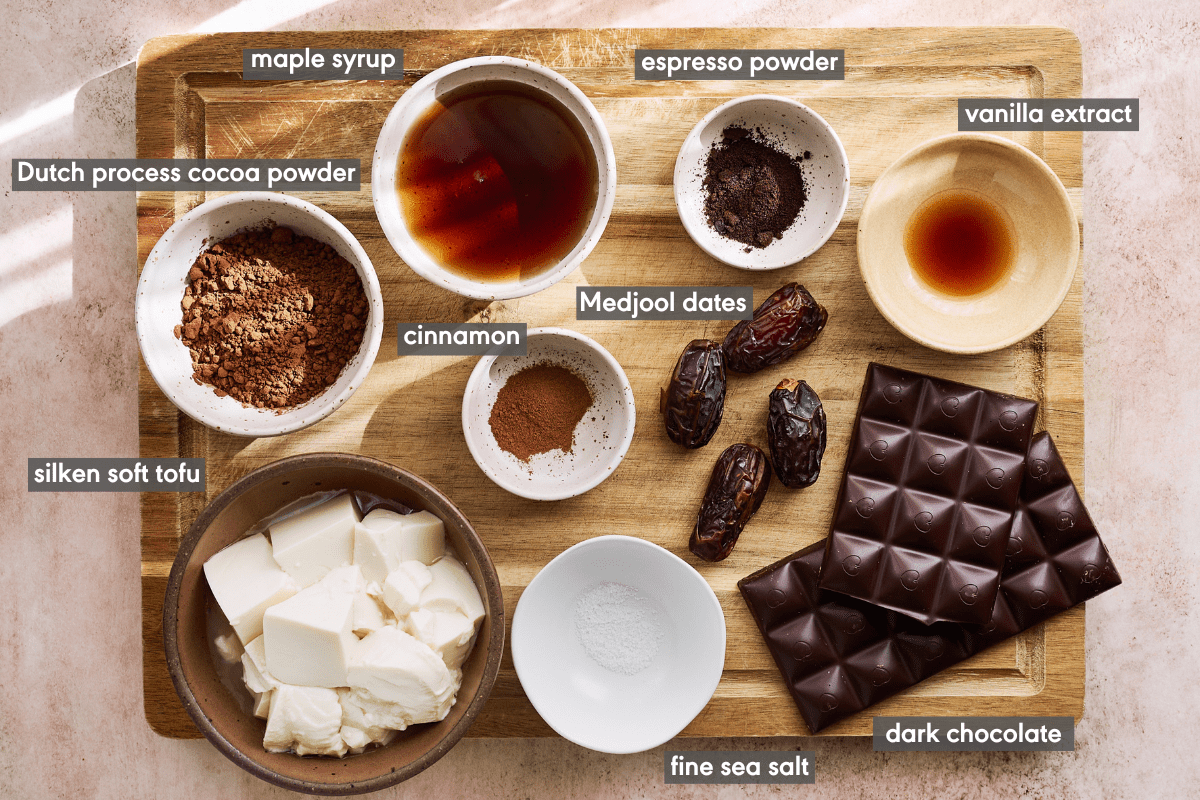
<point>959,243</point>
<point>1037,112</point>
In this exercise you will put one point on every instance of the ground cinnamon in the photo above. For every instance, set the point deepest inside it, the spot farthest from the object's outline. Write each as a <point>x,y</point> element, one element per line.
<point>537,410</point>
<point>272,318</point>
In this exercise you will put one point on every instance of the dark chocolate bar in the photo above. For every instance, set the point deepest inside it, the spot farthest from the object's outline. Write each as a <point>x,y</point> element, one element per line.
<point>839,655</point>
<point>926,505</point>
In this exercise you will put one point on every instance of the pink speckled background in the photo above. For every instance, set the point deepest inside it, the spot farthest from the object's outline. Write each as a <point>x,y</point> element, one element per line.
<point>71,717</point>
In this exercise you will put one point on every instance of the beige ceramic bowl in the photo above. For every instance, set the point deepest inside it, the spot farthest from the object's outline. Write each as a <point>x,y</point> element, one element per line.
<point>213,707</point>
<point>1046,234</point>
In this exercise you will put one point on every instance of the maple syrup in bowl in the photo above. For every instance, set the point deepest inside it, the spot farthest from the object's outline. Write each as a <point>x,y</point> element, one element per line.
<point>968,243</point>
<point>493,177</point>
<point>497,181</point>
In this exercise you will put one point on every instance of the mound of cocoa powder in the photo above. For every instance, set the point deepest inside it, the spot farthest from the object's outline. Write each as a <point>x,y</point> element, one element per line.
<point>272,318</point>
<point>753,191</point>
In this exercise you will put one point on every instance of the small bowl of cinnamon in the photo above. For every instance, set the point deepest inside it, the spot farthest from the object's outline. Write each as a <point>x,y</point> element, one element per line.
<point>551,424</point>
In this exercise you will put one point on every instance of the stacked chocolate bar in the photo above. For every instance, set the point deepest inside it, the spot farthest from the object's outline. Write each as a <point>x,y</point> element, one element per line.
<point>955,528</point>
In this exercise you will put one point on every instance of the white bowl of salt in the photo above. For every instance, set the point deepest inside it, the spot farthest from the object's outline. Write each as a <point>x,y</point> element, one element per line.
<point>618,644</point>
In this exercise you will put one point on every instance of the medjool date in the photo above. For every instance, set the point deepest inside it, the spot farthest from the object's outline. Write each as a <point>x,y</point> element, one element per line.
<point>735,491</point>
<point>692,404</point>
<point>786,323</point>
<point>796,433</point>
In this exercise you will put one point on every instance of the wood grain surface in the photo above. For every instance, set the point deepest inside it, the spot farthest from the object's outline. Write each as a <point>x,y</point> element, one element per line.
<point>901,88</point>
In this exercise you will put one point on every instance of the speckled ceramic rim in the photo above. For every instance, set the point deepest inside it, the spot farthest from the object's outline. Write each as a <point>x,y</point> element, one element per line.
<point>441,505</point>
<point>476,446</point>
<point>227,414</point>
<point>387,150</point>
<point>1037,165</point>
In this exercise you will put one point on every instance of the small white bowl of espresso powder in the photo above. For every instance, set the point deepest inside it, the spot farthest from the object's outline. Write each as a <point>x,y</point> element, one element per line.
<point>618,644</point>
<point>761,182</point>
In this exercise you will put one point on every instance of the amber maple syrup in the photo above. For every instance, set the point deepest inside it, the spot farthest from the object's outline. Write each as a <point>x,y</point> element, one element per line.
<point>497,181</point>
<point>959,243</point>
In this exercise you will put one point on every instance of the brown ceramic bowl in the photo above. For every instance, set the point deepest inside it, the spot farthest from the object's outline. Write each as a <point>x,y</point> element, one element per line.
<point>212,706</point>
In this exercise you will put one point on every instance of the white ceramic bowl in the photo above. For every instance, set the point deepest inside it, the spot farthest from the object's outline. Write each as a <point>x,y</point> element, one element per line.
<point>1042,221</point>
<point>601,438</point>
<point>160,291</point>
<point>793,128</point>
<point>413,105</point>
<point>593,705</point>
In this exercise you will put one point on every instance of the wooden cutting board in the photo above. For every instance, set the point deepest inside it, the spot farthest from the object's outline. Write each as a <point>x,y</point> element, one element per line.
<point>900,89</point>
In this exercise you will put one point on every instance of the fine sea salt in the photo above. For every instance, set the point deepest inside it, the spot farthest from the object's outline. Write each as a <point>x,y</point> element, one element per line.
<point>619,628</point>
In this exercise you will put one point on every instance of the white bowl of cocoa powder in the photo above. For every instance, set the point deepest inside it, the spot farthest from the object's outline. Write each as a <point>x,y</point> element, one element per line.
<point>258,314</point>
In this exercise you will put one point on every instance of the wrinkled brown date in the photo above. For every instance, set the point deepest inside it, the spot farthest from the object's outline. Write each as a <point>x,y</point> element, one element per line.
<point>796,433</point>
<point>692,404</point>
<point>735,491</point>
<point>786,323</point>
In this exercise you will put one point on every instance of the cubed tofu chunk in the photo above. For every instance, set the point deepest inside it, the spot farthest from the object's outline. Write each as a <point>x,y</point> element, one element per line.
<point>310,544</point>
<point>307,638</point>
<point>254,668</point>
<point>305,719</point>
<point>384,539</point>
<point>357,730</point>
<point>398,681</point>
<point>448,633</point>
<point>404,586</point>
<point>262,704</point>
<point>356,740</point>
<point>422,538</point>
<point>368,616</point>
<point>452,590</point>
<point>246,580</point>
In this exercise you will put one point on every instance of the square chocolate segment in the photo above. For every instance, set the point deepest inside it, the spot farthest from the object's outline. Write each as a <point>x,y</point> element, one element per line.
<point>1055,558</point>
<point>927,502</point>
<point>839,655</point>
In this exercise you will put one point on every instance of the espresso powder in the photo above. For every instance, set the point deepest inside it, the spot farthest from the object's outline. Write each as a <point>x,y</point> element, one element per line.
<point>272,318</point>
<point>753,192</point>
<point>537,410</point>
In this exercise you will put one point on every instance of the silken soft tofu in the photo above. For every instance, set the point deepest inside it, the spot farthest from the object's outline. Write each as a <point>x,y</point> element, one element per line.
<point>385,539</point>
<point>246,581</point>
<point>372,644</point>
<point>310,544</point>
<point>308,637</point>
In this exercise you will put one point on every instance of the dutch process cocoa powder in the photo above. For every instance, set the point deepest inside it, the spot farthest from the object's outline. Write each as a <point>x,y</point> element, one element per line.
<point>272,318</point>
<point>753,191</point>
